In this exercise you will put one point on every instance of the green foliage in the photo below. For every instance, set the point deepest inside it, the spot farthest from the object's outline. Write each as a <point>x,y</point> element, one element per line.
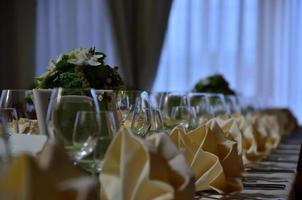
<point>214,84</point>
<point>104,75</point>
<point>70,80</point>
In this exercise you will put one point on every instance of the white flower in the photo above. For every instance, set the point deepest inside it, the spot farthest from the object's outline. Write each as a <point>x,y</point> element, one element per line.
<point>82,56</point>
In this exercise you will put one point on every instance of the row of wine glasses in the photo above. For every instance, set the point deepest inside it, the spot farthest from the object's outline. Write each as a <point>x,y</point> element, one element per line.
<point>86,120</point>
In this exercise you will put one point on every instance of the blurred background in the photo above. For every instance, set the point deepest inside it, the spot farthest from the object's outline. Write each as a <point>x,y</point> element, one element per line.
<point>163,45</point>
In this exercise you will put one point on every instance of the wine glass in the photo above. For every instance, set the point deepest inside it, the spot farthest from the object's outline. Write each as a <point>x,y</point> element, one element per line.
<point>173,99</point>
<point>125,102</point>
<point>157,99</point>
<point>92,143</point>
<point>218,105</point>
<point>170,100</point>
<point>232,103</point>
<point>185,116</point>
<point>62,112</point>
<point>200,102</point>
<point>22,102</point>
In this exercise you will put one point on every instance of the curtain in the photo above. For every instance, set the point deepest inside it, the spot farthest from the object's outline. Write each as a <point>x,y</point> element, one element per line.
<point>63,25</point>
<point>255,44</point>
<point>140,27</point>
<point>17,43</point>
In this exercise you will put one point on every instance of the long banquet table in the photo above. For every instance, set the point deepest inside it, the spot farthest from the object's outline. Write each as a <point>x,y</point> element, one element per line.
<point>272,177</point>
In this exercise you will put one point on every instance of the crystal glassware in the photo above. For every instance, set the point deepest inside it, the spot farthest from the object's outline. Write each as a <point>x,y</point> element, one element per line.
<point>90,141</point>
<point>200,102</point>
<point>185,116</point>
<point>125,102</point>
<point>62,113</point>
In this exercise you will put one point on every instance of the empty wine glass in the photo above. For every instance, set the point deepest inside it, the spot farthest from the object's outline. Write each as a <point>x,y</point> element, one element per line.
<point>232,103</point>
<point>185,116</point>
<point>62,112</point>
<point>200,102</point>
<point>125,101</point>
<point>90,141</point>
<point>157,99</point>
<point>173,99</point>
<point>22,102</point>
<point>170,100</point>
<point>218,105</point>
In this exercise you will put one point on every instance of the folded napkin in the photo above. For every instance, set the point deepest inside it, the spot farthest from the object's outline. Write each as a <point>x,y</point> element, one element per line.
<point>237,128</point>
<point>256,134</point>
<point>231,130</point>
<point>286,120</point>
<point>268,125</point>
<point>213,158</point>
<point>49,176</point>
<point>145,169</point>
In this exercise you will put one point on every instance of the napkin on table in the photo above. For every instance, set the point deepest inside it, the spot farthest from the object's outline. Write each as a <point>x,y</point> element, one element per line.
<point>255,134</point>
<point>145,169</point>
<point>49,176</point>
<point>213,158</point>
<point>237,128</point>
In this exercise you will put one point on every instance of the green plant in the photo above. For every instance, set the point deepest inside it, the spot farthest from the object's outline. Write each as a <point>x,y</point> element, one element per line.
<point>214,84</point>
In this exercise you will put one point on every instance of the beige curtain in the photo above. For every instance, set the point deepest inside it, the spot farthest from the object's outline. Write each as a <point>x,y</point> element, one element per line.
<point>140,27</point>
<point>17,42</point>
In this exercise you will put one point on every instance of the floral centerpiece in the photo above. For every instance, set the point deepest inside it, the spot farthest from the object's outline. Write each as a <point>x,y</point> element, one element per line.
<point>80,68</point>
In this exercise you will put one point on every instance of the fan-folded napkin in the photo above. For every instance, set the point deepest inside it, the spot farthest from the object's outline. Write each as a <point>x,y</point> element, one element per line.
<point>213,158</point>
<point>145,169</point>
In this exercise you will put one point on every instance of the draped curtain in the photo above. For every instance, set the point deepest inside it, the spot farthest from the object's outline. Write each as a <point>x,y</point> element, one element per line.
<point>140,27</point>
<point>63,25</point>
<point>17,43</point>
<point>255,44</point>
